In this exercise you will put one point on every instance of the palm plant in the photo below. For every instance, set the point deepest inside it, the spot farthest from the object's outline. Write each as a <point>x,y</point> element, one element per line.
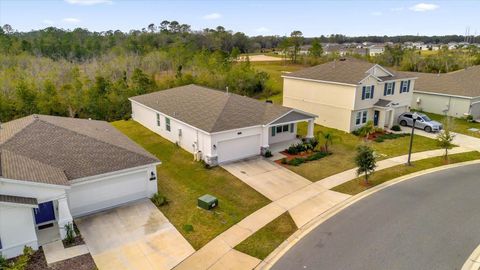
<point>327,138</point>
<point>367,129</point>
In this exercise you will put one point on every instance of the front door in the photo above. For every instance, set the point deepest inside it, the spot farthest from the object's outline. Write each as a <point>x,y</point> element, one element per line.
<point>375,117</point>
<point>44,213</point>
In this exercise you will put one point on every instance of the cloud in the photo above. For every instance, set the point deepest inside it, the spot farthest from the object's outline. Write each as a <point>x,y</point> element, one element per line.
<point>262,30</point>
<point>71,20</point>
<point>377,13</point>
<point>48,22</point>
<point>88,2</point>
<point>212,16</point>
<point>424,7</point>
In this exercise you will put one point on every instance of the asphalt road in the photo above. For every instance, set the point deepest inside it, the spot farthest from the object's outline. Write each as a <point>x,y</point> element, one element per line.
<point>430,222</point>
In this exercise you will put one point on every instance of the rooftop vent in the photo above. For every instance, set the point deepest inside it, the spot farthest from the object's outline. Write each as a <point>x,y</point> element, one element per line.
<point>342,59</point>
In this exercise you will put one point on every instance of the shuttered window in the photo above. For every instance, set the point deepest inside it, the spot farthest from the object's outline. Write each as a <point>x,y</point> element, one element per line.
<point>368,92</point>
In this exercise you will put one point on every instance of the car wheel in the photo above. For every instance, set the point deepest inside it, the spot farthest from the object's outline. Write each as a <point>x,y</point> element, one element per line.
<point>403,123</point>
<point>428,129</point>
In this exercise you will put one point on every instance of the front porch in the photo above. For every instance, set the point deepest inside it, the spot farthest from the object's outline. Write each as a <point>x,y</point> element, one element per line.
<point>51,219</point>
<point>383,114</point>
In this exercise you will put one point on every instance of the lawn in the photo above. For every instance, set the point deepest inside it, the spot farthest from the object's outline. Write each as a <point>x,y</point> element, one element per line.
<point>275,82</point>
<point>182,181</point>
<point>356,186</point>
<point>458,125</point>
<point>268,238</point>
<point>343,152</point>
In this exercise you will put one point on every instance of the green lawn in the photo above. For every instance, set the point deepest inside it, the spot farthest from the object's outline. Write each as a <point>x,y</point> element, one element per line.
<point>344,150</point>
<point>182,181</point>
<point>458,125</point>
<point>275,82</point>
<point>356,186</point>
<point>268,238</point>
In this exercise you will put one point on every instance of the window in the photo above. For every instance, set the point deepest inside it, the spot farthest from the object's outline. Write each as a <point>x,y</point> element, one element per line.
<point>274,131</point>
<point>158,119</point>
<point>361,118</point>
<point>367,92</point>
<point>167,123</point>
<point>389,89</point>
<point>292,127</point>
<point>280,129</point>
<point>404,86</point>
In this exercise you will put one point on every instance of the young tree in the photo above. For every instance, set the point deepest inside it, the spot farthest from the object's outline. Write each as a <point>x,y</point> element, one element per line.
<point>366,161</point>
<point>327,138</point>
<point>296,39</point>
<point>445,137</point>
<point>316,50</point>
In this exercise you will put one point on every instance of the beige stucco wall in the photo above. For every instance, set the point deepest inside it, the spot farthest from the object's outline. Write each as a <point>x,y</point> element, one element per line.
<point>333,103</point>
<point>456,106</point>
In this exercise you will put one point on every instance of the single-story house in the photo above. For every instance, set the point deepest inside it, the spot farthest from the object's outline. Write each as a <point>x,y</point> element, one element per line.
<point>454,94</point>
<point>53,169</point>
<point>217,126</point>
<point>345,94</point>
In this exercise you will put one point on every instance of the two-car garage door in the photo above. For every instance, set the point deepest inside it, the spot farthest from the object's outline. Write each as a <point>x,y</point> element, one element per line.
<point>94,196</point>
<point>238,148</point>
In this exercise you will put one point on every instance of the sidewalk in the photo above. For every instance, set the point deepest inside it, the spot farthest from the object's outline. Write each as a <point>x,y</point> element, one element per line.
<point>303,205</point>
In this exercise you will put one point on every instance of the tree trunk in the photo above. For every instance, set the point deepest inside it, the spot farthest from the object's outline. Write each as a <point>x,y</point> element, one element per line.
<point>366,178</point>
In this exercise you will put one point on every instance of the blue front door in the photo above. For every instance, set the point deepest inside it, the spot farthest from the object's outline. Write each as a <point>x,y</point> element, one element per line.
<point>375,118</point>
<point>44,213</point>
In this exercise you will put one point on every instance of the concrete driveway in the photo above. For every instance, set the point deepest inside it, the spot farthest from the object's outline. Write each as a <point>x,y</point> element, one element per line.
<point>135,236</point>
<point>268,178</point>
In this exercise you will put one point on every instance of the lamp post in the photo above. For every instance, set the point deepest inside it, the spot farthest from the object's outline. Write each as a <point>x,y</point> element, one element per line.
<point>414,117</point>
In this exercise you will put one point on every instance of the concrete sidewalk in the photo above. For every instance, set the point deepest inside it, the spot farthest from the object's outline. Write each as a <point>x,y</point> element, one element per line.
<point>304,203</point>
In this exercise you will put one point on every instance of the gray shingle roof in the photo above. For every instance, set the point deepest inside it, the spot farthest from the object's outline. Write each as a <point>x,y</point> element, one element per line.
<point>463,82</point>
<point>18,200</point>
<point>348,70</point>
<point>53,150</point>
<point>382,103</point>
<point>211,110</point>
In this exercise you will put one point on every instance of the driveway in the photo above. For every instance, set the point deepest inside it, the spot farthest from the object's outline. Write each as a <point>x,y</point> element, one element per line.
<point>135,236</point>
<point>429,222</point>
<point>267,177</point>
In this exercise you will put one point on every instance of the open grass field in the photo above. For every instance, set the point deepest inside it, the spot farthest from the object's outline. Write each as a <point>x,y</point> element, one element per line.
<point>268,238</point>
<point>183,180</point>
<point>458,125</point>
<point>344,150</point>
<point>356,186</point>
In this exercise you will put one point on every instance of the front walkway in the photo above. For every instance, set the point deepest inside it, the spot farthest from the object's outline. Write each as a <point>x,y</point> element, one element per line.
<point>304,202</point>
<point>56,252</point>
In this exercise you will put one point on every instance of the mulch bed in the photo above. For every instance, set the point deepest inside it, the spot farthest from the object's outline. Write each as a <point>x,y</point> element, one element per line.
<point>375,135</point>
<point>78,240</point>
<point>82,262</point>
<point>301,154</point>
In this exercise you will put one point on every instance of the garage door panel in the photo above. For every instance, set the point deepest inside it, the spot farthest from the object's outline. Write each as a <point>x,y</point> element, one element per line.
<point>238,148</point>
<point>87,198</point>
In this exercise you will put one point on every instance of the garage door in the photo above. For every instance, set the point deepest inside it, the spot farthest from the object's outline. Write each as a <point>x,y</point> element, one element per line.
<point>95,196</point>
<point>238,148</point>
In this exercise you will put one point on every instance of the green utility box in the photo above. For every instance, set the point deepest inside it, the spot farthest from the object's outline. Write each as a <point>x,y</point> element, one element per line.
<point>207,202</point>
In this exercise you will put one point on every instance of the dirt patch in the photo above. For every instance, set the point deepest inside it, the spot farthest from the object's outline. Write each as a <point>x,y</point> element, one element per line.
<point>82,262</point>
<point>260,58</point>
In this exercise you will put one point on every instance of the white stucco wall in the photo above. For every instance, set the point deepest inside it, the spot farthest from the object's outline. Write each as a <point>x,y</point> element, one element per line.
<point>284,136</point>
<point>17,229</point>
<point>42,192</point>
<point>455,106</point>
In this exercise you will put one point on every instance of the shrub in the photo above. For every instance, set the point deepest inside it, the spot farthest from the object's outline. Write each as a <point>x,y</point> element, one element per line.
<point>187,227</point>
<point>296,161</point>
<point>3,262</point>
<point>159,200</point>
<point>284,161</point>
<point>356,132</point>
<point>268,154</point>
<point>379,139</point>
<point>396,128</point>
<point>70,234</point>
<point>313,142</point>
<point>469,118</point>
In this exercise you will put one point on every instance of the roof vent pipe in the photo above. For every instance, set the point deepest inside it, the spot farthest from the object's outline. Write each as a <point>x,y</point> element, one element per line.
<point>226,89</point>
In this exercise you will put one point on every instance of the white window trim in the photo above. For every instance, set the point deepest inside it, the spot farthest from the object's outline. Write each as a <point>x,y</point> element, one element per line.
<point>359,116</point>
<point>368,92</point>
<point>389,89</point>
<point>281,129</point>
<point>404,88</point>
<point>168,126</point>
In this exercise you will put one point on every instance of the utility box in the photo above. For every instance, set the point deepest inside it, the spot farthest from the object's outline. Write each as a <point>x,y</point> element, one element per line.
<point>207,202</point>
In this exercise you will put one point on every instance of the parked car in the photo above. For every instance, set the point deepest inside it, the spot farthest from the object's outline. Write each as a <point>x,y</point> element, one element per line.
<point>423,122</point>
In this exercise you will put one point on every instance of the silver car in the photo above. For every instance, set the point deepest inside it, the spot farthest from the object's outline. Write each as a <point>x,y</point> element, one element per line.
<point>423,122</point>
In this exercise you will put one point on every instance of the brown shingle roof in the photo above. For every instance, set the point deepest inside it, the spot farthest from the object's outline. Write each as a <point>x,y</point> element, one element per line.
<point>18,200</point>
<point>53,150</point>
<point>211,110</point>
<point>348,70</point>
<point>463,82</point>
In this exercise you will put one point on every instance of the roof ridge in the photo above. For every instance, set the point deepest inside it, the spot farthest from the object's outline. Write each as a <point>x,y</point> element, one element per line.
<point>16,132</point>
<point>221,112</point>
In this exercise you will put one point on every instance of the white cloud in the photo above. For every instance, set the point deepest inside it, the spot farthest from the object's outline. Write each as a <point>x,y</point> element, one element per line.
<point>88,2</point>
<point>424,7</point>
<point>212,16</point>
<point>48,22</point>
<point>262,30</point>
<point>377,13</point>
<point>71,20</point>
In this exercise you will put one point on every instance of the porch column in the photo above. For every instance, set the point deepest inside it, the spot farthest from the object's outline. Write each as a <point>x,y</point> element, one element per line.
<point>392,118</point>
<point>64,216</point>
<point>311,126</point>
<point>265,140</point>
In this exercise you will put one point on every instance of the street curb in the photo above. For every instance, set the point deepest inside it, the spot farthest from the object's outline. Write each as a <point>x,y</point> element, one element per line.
<point>271,259</point>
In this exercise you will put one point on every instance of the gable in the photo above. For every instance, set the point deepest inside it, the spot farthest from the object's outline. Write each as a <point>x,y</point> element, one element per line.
<point>292,116</point>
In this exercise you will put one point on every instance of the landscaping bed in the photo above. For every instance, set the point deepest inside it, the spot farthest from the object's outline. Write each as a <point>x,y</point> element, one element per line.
<point>182,180</point>
<point>76,240</point>
<point>358,185</point>
<point>267,239</point>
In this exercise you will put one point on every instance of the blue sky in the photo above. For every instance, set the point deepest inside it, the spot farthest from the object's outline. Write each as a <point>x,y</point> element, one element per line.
<point>313,18</point>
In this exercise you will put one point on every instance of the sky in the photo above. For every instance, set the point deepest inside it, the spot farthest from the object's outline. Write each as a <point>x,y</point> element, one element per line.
<point>313,18</point>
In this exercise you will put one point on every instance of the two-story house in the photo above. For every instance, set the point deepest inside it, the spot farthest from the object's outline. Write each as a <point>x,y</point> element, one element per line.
<point>347,93</point>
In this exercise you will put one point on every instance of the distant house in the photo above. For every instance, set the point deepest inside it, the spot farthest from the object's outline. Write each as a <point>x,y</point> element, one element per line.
<point>376,49</point>
<point>455,94</point>
<point>346,94</point>
<point>216,126</point>
<point>55,168</point>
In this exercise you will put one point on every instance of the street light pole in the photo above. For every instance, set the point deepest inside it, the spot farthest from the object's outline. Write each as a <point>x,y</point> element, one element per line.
<point>414,117</point>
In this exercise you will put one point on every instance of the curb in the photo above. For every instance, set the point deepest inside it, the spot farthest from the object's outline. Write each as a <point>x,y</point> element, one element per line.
<point>271,259</point>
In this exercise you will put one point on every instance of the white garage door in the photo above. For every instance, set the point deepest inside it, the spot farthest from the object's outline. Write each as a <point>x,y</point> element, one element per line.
<point>238,148</point>
<point>107,193</point>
